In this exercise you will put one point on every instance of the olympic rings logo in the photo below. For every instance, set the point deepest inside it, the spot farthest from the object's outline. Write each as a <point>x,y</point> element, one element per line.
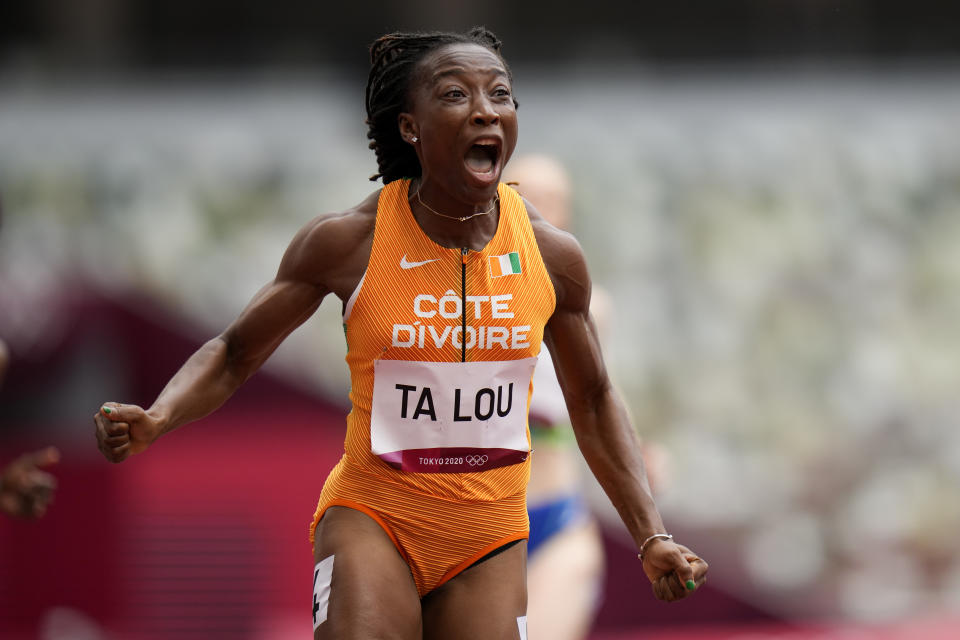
<point>475,461</point>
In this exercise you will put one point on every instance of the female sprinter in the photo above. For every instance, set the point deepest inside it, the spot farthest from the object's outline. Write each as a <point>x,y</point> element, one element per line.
<point>449,283</point>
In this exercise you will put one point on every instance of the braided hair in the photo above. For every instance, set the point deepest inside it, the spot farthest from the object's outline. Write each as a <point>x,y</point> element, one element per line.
<point>393,59</point>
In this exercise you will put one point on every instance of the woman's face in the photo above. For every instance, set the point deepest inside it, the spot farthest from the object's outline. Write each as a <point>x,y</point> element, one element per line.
<point>463,116</point>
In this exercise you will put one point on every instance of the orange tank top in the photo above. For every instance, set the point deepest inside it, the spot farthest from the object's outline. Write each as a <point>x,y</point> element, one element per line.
<point>441,345</point>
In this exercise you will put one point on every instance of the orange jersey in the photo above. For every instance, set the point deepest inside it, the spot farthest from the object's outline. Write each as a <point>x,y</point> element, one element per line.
<point>442,343</point>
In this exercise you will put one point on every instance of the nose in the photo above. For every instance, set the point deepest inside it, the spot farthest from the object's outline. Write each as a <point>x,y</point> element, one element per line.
<point>484,113</point>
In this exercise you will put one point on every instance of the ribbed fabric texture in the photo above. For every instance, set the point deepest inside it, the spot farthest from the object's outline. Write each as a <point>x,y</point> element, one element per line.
<point>441,522</point>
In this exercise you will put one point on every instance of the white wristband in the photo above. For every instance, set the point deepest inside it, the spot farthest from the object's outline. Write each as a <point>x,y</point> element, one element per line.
<point>656,536</point>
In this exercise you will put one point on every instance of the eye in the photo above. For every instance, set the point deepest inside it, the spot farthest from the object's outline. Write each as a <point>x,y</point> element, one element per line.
<point>501,92</point>
<point>454,93</point>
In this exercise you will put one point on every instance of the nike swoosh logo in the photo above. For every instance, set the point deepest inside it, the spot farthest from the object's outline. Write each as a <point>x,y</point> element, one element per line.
<point>404,264</point>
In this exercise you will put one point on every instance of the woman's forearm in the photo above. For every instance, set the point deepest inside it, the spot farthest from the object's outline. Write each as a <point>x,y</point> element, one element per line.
<point>204,382</point>
<point>611,448</point>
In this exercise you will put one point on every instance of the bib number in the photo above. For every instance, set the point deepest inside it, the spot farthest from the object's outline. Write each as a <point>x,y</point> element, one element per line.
<point>450,417</point>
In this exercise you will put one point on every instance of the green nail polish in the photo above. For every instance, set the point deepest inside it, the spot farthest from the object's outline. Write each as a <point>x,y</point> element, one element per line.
<point>107,410</point>
<point>691,585</point>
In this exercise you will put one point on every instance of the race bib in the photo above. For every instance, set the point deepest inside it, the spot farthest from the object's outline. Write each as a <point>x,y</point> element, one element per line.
<point>450,417</point>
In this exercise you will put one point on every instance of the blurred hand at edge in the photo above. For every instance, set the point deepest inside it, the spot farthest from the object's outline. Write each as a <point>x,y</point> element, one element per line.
<point>25,490</point>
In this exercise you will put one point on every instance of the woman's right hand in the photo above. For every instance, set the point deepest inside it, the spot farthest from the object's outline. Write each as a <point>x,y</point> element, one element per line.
<point>124,429</point>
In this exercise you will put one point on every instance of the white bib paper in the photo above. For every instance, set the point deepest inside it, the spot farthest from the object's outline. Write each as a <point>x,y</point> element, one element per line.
<point>450,417</point>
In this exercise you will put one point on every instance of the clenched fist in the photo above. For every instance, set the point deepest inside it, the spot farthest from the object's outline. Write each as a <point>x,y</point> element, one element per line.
<point>123,429</point>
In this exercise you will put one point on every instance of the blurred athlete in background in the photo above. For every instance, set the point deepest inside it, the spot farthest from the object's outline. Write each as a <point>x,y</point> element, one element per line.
<point>565,549</point>
<point>25,489</point>
<point>565,555</point>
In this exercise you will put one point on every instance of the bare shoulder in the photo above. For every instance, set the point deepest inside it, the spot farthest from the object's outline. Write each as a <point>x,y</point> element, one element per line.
<point>332,248</point>
<point>335,234</point>
<point>565,262</point>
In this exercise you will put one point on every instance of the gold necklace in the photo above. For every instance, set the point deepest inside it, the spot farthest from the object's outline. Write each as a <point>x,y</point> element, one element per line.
<point>458,218</point>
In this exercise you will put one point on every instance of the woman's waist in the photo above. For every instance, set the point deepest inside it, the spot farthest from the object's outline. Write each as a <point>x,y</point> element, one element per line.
<point>361,466</point>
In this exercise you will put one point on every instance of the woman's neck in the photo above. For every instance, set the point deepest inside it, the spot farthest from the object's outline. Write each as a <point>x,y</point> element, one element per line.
<point>457,225</point>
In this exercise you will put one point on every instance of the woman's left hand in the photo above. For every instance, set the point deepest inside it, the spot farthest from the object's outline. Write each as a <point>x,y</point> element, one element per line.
<point>675,572</point>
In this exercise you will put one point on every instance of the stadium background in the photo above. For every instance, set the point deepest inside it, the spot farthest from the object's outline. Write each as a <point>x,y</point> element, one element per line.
<point>769,190</point>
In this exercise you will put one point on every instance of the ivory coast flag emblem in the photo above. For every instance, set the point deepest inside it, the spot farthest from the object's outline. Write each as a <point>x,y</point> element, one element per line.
<point>506,265</point>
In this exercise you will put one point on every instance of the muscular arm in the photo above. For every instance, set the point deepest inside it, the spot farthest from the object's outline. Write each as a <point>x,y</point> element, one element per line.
<point>212,374</point>
<point>605,435</point>
<point>327,255</point>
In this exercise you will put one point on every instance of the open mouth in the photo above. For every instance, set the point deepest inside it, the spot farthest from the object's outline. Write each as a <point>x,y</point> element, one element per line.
<point>482,158</point>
